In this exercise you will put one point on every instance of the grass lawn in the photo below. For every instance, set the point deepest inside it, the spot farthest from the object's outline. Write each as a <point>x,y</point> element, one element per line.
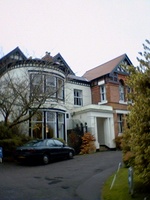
<point>120,189</point>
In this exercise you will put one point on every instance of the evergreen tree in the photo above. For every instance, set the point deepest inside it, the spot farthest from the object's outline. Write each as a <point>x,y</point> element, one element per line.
<point>136,137</point>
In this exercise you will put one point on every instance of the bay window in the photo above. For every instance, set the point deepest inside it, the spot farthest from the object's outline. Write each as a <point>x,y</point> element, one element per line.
<point>48,124</point>
<point>48,85</point>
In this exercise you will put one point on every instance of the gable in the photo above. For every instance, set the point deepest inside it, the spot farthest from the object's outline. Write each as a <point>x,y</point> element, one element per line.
<point>13,56</point>
<point>120,69</point>
<point>65,67</point>
<point>107,68</point>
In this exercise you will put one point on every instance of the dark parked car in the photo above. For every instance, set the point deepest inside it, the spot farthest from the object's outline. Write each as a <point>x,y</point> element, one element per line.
<point>43,150</point>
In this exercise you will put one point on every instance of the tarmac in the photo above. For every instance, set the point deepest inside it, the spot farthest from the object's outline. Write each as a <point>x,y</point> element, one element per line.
<point>91,189</point>
<point>98,167</point>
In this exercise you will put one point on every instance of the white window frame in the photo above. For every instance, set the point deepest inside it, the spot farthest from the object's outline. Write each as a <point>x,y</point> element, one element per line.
<point>103,93</point>
<point>78,97</point>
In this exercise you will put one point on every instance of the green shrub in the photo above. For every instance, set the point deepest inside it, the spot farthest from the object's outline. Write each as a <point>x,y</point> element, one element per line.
<point>9,145</point>
<point>118,141</point>
<point>10,139</point>
<point>127,158</point>
<point>7,133</point>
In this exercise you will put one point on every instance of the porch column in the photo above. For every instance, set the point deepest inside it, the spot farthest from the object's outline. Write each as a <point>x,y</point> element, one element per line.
<point>111,132</point>
<point>96,133</point>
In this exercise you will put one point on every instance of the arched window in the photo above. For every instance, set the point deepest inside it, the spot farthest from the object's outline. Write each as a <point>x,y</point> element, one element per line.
<point>121,90</point>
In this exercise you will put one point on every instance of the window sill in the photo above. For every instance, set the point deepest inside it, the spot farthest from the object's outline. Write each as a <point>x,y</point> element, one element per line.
<point>123,102</point>
<point>102,102</point>
<point>77,106</point>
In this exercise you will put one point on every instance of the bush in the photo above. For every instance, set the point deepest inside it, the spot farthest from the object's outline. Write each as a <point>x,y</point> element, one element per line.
<point>127,158</point>
<point>88,144</point>
<point>128,155</point>
<point>75,141</point>
<point>118,141</point>
<point>7,133</point>
<point>10,139</point>
<point>9,145</point>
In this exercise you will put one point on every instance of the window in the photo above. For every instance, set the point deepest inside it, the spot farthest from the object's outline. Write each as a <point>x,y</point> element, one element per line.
<point>121,90</point>
<point>60,86</point>
<point>51,86</point>
<point>58,143</point>
<point>78,97</point>
<point>103,93</point>
<point>48,124</point>
<point>50,143</point>
<point>113,77</point>
<point>37,86</point>
<point>120,123</point>
<point>51,125</point>
<point>61,124</point>
<point>37,125</point>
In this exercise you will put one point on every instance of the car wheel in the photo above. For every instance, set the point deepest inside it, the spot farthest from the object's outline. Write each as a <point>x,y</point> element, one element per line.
<point>70,155</point>
<point>45,159</point>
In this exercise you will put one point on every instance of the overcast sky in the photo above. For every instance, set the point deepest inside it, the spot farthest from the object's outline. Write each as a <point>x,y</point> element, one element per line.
<point>86,33</point>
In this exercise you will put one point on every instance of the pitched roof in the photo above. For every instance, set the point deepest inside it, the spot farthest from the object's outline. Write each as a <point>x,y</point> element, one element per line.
<point>105,68</point>
<point>14,52</point>
<point>58,58</point>
<point>77,78</point>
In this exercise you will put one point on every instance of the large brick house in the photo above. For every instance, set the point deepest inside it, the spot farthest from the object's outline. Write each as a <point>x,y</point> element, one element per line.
<point>108,88</point>
<point>97,100</point>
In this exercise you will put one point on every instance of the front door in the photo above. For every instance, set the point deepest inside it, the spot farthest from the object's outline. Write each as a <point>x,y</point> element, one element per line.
<point>101,130</point>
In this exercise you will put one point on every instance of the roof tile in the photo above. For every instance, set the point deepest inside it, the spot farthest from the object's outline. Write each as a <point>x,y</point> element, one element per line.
<point>103,69</point>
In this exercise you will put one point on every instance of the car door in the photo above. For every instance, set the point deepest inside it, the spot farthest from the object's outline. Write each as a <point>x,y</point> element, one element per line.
<point>60,148</point>
<point>52,148</point>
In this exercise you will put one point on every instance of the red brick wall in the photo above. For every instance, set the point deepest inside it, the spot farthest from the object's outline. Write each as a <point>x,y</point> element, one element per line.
<point>112,94</point>
<point>95,94</point>
<point>112,91</point>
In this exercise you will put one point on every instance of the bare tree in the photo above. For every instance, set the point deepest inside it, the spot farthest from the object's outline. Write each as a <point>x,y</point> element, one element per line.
<point>24,92</point>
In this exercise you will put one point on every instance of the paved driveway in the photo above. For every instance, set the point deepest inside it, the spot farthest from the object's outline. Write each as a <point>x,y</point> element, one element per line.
<point>78,179</point>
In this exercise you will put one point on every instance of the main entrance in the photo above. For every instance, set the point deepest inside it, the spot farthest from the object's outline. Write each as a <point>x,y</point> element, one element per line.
<point>101,130</point>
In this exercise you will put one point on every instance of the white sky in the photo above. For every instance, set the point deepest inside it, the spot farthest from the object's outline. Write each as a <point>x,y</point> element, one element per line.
<point>87,33</point>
